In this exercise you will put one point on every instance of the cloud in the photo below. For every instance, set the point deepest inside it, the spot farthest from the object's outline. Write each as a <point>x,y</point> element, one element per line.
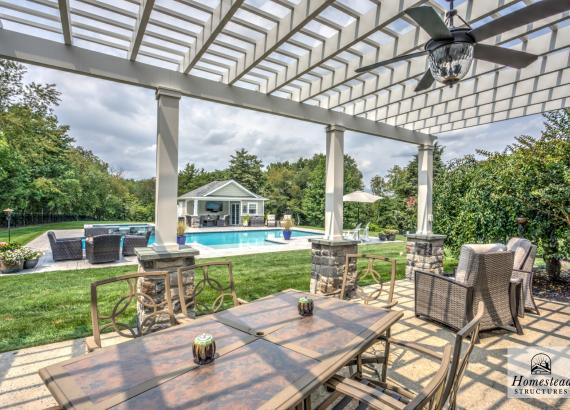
<point>118,123</point>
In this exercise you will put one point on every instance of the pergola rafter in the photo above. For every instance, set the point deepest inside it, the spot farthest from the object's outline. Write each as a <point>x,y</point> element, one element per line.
<point>140,28</point>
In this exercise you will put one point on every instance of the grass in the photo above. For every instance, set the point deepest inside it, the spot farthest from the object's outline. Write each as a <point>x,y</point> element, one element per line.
<point>25,234</point>
<point>48,307</point>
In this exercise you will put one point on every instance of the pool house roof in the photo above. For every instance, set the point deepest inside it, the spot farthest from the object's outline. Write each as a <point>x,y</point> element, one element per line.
<point>222,190</point>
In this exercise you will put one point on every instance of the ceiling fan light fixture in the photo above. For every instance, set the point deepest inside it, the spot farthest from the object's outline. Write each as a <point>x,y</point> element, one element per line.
<point>450,62</point>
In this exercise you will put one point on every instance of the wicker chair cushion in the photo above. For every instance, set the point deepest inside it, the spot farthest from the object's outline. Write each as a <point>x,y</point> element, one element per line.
<point>522,248</point>
<point>465,265</point>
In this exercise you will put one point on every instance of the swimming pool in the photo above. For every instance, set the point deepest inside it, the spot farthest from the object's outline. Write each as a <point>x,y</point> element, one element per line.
<point>240,239</point>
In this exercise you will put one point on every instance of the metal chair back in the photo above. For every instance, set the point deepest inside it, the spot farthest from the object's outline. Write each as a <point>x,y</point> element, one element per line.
<point>159,313</point>
<point>369,275</point>
<point>206,288</point>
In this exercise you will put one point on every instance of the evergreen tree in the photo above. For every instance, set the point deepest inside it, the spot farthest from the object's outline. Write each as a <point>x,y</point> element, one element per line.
<point>246,169</point>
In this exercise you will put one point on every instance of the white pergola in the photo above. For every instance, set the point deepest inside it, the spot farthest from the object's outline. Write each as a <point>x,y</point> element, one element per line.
<point>294,58</point>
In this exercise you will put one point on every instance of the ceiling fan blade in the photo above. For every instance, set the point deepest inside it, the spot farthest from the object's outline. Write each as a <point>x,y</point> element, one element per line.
<point>428,19</point>
<point>425,82</point>
<point>504,56</point>
<point>392,60</point>
<point>534,12</point>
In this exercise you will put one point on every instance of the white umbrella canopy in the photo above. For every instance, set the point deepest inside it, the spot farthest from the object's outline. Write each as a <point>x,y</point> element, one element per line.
<point>360,196</point>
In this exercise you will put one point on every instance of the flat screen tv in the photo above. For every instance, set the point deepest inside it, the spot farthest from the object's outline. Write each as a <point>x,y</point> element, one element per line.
<point>212,206</point>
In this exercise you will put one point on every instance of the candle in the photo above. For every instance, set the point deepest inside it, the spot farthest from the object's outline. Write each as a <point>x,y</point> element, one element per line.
<point>204,348</point>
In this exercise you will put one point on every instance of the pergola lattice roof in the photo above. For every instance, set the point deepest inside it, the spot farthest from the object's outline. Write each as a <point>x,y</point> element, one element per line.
<point>296,51</point>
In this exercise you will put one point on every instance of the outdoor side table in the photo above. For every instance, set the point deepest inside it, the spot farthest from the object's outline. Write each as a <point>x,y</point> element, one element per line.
<point>268,357</point>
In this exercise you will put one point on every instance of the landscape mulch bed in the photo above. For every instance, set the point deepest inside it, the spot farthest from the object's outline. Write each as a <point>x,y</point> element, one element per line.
<point>543,287</point>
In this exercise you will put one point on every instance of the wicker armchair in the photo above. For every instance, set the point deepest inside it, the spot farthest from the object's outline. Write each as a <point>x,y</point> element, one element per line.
<point>66,248</point>
<point>94,231</point>
<point>123,318</point>
<point>103,248</point>
<point>134,241</point>
<point>483,274</point>
<point>271,222</point>
<point>525,253</point>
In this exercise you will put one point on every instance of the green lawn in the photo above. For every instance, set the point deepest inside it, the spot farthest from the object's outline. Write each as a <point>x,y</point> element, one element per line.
<point>25,234</point>
<point>48,307</point>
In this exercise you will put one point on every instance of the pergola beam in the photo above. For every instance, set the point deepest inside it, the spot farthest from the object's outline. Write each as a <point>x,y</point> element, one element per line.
<point>215,24</point>
<point>39,51</point>
<point>65,21</point>
<point>140,28</point>
<point>281,32</point>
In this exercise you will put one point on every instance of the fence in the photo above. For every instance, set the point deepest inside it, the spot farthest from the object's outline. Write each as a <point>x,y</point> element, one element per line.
<point>24,219</point>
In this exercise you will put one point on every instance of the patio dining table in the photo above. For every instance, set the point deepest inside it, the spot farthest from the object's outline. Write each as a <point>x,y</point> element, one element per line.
<point>268,356</point>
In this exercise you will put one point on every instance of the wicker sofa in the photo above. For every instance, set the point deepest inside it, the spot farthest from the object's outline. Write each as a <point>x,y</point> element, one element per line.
<point>66,248</point>
<point>103,248</point>
<point>525,253</point>
<point>134,241</point>
<point>483,274</point>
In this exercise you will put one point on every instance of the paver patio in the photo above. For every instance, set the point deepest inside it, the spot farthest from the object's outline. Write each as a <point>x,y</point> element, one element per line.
<point>483,387</point>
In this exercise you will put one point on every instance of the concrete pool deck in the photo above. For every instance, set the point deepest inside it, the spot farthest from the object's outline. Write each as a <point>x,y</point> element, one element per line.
<point>46,263</point>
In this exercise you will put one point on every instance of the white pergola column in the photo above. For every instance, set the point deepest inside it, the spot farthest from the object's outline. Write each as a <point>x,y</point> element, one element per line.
<point>166,169</point>
<point>425,188</point>
<point>334,181</point>
<point>195,213</point>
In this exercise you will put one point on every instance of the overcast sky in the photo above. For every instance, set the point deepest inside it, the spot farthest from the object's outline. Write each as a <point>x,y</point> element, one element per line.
<point>118,123</point>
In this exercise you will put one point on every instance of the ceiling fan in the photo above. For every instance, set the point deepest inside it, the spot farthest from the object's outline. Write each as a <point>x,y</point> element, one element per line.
<point>451,49</point>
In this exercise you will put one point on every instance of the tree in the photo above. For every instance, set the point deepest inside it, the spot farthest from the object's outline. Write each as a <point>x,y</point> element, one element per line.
<point>246,169</point>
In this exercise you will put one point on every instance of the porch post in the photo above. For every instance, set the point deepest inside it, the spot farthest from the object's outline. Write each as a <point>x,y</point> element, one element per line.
<point>425,187</point>
<point>195,213</point>
<point>166,169</point>
<point>334,181</point>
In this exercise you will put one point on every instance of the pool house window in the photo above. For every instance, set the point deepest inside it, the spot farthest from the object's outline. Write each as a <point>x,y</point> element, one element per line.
<point>250,208</point>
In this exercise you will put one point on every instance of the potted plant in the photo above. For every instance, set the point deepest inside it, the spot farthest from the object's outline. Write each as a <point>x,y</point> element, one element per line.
<point>31,257</point>
<point>391,234</point>
<point>382,235</point>
<point>11,258</point>
<point>180,230</point>
<point>245,220</point>
<point>287,224</point>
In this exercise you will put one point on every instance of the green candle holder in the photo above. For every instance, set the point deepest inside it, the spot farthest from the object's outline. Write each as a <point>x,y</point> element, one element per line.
<point>204,348</point>
<point>305,306</point>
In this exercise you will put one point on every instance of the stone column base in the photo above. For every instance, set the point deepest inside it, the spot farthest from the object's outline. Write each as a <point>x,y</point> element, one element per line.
<point>328,264</point>
<point>424,252</point>
<point>169,261</point>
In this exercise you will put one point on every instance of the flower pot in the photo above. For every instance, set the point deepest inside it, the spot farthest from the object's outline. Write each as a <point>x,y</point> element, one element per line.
<point>11,268</point>
<point>287,235</point>
<point>382,237</point>
<point>391,237</point>
<point>181,240</point>
<point>31,264</point>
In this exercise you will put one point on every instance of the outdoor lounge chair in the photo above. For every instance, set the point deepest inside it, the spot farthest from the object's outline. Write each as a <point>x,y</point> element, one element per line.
<point>458,365</point>
<point>159,315</point>
<point>364,237</point>
<point>134,241</point>
<point>483,274</point>
<point>103,248</point>
<point>353,234</point>
<point>206,288</point>
<point>65,248</point>
<point>95,231</point>
<point>525,253</point>
<point>271,222</point>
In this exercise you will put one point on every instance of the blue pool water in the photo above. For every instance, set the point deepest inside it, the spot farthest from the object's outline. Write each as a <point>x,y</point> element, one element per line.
<point>238,239</point>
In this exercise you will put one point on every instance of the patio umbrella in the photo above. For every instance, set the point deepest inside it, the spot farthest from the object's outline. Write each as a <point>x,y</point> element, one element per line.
<point>360,197</point>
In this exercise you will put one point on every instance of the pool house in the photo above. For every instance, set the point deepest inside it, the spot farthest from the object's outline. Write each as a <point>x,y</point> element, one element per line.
<point>221,203</point>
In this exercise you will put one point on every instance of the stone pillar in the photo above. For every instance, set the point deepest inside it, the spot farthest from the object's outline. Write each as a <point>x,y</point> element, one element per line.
<point>152,260</point>
<point>424,252</point>
<point>334,181</point>
<point>425,187</point>
<point>166,213</point>
<point>328,263</point>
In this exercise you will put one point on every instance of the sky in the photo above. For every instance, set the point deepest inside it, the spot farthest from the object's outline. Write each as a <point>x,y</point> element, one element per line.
<point>118,123</point>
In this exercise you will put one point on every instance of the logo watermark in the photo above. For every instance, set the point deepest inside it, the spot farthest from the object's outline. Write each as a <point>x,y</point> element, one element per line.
<point>539,372</point>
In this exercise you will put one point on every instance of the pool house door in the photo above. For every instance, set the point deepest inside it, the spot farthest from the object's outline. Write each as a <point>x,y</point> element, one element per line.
<point>234,213</point>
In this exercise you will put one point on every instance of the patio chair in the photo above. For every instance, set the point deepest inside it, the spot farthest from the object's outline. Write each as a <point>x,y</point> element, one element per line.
<point>159,313</point>
<point>353,234</point>
<point>131,242</point>
<point>271,222</point>
<point>458,365</point>
<point>483,274</point>
<point>378,395</point>
<point>525,253</point>
<point>286,217</point>
<point>206,288</point>
<point>364,237</point>
<point>65,248</point>
<point>103,248</point>
<point>95,231</point>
